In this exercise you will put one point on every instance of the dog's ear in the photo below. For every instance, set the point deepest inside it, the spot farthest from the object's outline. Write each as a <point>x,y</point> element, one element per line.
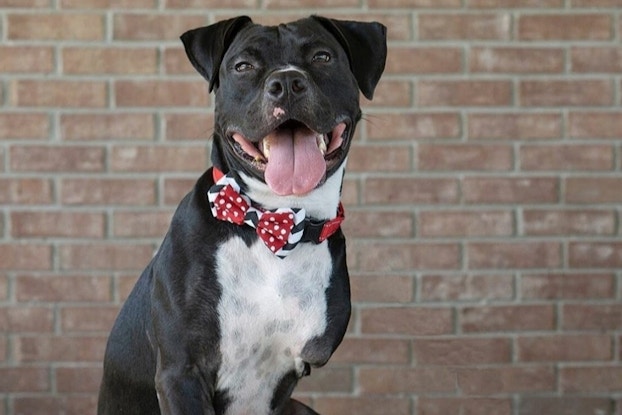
<point>366,46</point>
<point>206,46</point>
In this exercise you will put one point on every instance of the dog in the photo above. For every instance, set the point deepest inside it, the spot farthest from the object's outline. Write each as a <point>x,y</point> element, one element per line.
<point>249,288</point>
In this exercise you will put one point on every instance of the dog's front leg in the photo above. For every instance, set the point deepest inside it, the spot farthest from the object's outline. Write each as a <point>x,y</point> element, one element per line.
<point>181,390</point>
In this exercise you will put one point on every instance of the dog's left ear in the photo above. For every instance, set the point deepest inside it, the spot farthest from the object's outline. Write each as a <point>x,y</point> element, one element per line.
<point>366,46</point>
<point>206,46</point>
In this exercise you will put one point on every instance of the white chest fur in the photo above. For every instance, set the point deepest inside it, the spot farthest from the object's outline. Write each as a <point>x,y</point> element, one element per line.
<point>269,309</point>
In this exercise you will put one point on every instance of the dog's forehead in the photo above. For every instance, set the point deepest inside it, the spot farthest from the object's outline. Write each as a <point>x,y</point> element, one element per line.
<point>286,37</point>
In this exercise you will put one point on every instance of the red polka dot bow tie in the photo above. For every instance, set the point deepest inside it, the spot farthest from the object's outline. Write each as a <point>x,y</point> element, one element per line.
<point>280,229</point>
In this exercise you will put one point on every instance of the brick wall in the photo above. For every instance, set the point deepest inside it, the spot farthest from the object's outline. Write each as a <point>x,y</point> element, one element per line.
<point>483,198</point>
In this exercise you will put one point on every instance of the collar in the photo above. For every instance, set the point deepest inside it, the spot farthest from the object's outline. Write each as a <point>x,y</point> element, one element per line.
<point>280,229</point>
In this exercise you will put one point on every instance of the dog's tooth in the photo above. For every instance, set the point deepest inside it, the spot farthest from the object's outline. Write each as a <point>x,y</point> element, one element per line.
<point>321,143</point>
<point>265,148</point>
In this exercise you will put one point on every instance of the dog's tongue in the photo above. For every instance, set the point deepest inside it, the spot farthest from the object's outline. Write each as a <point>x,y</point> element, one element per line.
<point>295,163</point>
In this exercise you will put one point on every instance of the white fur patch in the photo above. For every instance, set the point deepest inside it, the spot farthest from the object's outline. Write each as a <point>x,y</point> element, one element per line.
<point>269,309</point>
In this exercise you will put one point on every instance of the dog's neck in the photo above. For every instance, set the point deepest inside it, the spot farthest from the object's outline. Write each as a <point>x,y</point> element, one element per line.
<point>320,203</point>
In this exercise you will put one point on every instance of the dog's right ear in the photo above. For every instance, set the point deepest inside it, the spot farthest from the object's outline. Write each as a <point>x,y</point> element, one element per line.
<point>206,46</point>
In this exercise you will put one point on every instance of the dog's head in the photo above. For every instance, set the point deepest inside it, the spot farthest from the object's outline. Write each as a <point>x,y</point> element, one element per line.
<point>287,96</point>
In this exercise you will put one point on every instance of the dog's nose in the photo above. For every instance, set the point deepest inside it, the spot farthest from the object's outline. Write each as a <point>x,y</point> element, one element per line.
<point>289,83</point>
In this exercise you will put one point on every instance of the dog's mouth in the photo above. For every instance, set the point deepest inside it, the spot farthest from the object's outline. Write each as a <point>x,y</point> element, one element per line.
<point>294,158</point>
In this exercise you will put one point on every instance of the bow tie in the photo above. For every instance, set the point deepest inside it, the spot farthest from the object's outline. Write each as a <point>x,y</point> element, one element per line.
<point>280,229</point>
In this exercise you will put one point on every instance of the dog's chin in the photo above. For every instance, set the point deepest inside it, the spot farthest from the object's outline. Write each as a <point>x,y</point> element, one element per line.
<point>293,159</point>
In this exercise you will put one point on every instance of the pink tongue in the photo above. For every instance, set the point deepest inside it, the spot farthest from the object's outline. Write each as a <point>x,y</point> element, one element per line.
<point>295,163</point>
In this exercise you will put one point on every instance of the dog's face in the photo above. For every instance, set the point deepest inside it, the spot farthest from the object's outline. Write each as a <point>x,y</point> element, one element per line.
<point>287,95</point>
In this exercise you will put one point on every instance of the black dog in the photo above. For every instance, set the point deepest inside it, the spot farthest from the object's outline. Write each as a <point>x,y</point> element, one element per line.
<point>249,288</point>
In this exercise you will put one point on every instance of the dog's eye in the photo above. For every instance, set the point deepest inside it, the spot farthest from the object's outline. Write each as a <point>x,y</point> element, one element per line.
<point>243,67</point>
<point>321,57</point>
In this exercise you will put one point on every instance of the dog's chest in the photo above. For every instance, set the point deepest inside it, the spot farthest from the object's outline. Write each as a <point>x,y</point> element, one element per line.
<point>268,310</point>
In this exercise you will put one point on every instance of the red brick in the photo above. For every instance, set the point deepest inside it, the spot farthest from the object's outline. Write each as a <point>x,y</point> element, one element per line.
<point>57,404</point>
<point>565,27</point>
<point>567,286</point>
<point>400,24</point>
<point>591,379</point>
<point>390,94</point>
<point>504,255</point>
<point>461,93</point>
<point>189,126</point>
<point>59,93</point>
<point>507,318</point>
<point>508,4</point>
<point>78,379</point>
<point>516,60</point>
<point>137,224</point>
<point>4,287</point>
<point>595,125</point>
<point>453,157</point>
<point>15,126</point>
<point>112,60</point>
<point>409,321</point>
<point>60,349</point>
<point>125,284</point>
<point>373,351</point>
<point>3,350</point>
<point>491,381</point>
<point>154,26</point>
<point>158,159</point>
<point>564,348</point>
<point>481,26</point>
<point>593,190</point>
<point>567,404</point>
<point>406,380</point>
<point>596,59</point>
<point>510,190</point>
<point>107,4</point>
<point>25,3</point>
<point>383,289</point>
<point>464,406</point>
<point>596,3</point>
<point>26,59</point>
<point>569,222</point>
<point>176,189</point>
<point>410,190</point>
<point>439,223</point>
<point>28,319</point>
<point>367,158</point>
<point>56,26</point>
<point>469,287</point>
<point>108,191</point>
<point>25,191</point>
<point>57,158</point>
<point>385,224</point>
<point>595,254</point>
<point>415,3</point>
<point>88,319</point>
<point>567,157</point>
<point>328,379</point>
<point>593,317</point>
<point>328,405</point>
<point>410,126</point>
<point>43,224</point>
<point>161,93</point>
<point>514,126</point>
<point>407,256</point>
<point>176,62</point>
<point>107,126</point>
<point>24,379</point>
<point>565,93</point>
<point>283,4</point>
<point>105,256</point>
<point>462,351</point>
<point>423,60</point>
<point>61,288</point>
<point>27,257</point>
